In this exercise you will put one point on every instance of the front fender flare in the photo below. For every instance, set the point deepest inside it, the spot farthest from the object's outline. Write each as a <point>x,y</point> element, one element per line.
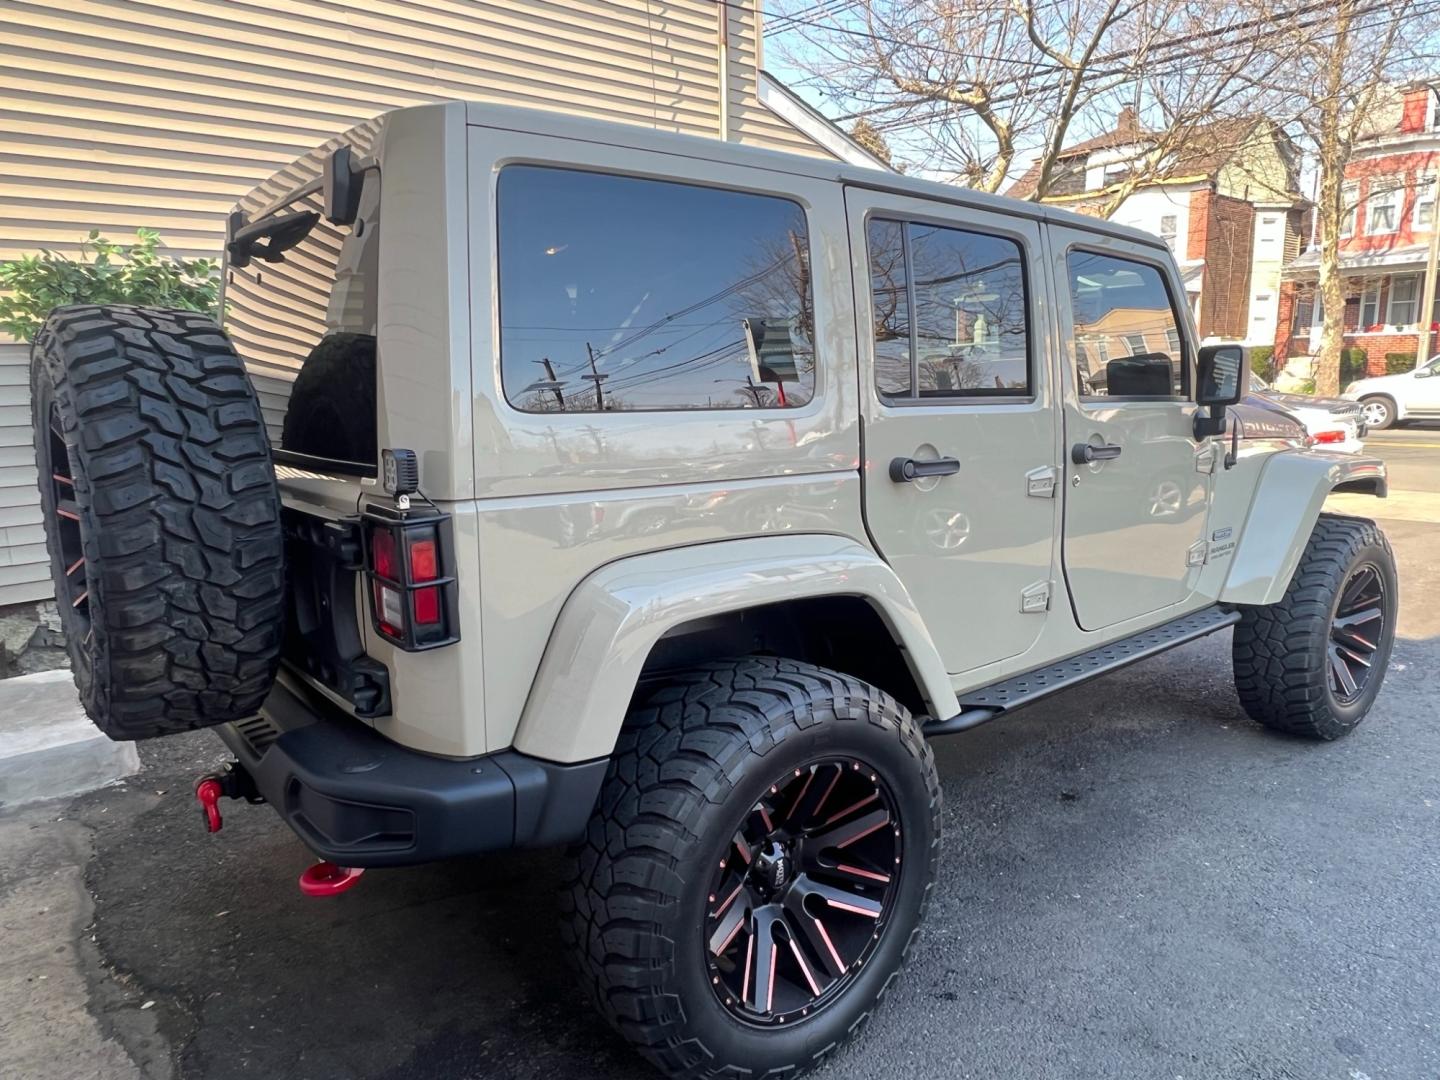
<point>615,616</point>
<point>1283,510</point>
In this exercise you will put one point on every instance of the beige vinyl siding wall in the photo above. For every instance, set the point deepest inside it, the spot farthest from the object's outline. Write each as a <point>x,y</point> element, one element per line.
<point>116,114</point>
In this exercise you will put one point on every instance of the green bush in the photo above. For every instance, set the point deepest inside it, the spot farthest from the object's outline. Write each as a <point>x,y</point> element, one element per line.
<point>1262,361</point>
<point>105,273</point>
<point>1398,362</point>
<point>1353,362</point>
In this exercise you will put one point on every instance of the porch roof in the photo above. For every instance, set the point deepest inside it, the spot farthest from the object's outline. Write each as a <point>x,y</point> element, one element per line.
<point>1410,257</point>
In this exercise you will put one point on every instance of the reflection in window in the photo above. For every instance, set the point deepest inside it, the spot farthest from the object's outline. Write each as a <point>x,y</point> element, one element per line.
<point>890,307</point>
<point>618,293</point>
<point>1123,310</point>
<point>966,336</point>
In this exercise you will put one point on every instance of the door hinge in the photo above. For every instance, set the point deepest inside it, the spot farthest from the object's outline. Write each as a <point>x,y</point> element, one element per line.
<point>1195,555</point>
<point>1035,598</point>
<point>1205,458</point>
<point>1040,483</point>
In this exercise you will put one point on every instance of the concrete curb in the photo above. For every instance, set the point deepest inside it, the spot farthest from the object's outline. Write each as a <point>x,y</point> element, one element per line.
<point>49,747</point>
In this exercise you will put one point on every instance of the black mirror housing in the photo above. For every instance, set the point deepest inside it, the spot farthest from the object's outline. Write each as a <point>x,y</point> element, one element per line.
<point>341,186</point>
<point>1219,375</point>
<point>1220,379</point>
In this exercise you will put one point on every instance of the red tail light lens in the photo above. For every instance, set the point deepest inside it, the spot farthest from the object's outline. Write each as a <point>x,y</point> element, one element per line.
<point>424,560</point>
<point>1330,437</point>
<point>412,596</point>
<point>427,606</point>
<point>385,555</point>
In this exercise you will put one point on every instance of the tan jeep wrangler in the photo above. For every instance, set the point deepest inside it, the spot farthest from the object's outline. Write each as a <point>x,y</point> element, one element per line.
<point>555,482</point>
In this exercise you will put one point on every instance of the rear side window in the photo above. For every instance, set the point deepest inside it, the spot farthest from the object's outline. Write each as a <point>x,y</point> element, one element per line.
<point>1127,335</point>
<point>949,308</point>
<point>620,293</point>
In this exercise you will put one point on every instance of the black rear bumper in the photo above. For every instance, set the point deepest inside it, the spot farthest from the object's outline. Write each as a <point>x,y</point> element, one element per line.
<point>358,799</point>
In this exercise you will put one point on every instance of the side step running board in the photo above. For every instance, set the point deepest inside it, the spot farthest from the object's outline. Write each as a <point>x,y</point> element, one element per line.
<point>989,702</point>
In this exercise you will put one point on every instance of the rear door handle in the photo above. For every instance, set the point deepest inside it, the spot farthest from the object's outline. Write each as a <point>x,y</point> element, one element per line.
<point>904,469</point>
<point>1083,452</point>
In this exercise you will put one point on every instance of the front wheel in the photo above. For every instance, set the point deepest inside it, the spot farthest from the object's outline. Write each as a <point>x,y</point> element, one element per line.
<point>757,867</point>
<point>1312,664</point>
<point>1377,412</point>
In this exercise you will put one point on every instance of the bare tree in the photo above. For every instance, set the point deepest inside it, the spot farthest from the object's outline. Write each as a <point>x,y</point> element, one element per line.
<point>967,87</point>
<point>1343,89</point>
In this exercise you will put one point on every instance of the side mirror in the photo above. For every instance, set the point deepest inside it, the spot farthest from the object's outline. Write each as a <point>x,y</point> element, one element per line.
<point>1423,373</point>
<point>1218,383</point>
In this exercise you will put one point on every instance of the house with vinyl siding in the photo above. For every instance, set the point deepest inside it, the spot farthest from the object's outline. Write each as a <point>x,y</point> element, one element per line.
<point>120,114</point>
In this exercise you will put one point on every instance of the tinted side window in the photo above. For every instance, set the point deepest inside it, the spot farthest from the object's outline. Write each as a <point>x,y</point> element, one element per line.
<point>950,312</point>
<point>618,293</point>
<point>1127,336</point>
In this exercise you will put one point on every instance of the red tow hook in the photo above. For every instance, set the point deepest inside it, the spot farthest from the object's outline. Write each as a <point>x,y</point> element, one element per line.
<point>327,879</point>
<point>209,792</point>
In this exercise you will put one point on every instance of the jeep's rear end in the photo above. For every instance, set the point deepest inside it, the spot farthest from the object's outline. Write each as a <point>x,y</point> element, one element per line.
<point>354,327</point>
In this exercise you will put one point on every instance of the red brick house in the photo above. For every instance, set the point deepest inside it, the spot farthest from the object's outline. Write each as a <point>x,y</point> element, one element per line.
<point>1226,202</point>
<point>1384,241</point>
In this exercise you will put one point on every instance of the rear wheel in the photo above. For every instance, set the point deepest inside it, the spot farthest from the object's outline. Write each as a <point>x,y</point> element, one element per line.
<point>1378,412</point>
<point>1313,663</point>
<point>757,868</point>
<point>162,518</point>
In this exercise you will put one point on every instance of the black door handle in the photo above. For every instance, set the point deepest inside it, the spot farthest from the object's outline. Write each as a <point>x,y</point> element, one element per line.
<point>904,469</point>
<point>1083,452</point>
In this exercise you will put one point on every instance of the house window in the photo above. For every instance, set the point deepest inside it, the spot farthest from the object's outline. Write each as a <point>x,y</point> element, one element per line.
<point>1169,229</point>
<point>1382,209</point>
<point>1114,174</point>
<point>1303,316</point>
<point>1424,202</point>
<point>1136,344</point>
<point>1370,306</point>
<point>1349,196</point>
<point>621,293</point>
<point>1404,300</point>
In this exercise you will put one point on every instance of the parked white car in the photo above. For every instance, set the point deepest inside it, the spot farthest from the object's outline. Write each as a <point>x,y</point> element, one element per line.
<point>1330,422</point>
<point>1393,399</point>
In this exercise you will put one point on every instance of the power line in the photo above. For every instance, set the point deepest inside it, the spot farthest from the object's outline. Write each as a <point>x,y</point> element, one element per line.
<point>942,110</point>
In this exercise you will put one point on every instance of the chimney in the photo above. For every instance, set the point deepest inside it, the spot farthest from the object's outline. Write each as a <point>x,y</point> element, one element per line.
<point>1126,123</point>
<point>1415,109</point>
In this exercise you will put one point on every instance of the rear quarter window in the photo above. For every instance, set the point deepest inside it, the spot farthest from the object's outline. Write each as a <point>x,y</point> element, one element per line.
<point>625,294</point>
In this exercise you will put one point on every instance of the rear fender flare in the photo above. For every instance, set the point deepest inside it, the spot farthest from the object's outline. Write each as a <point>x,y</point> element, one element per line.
<point>1283,510</point>
<point>614,617</point>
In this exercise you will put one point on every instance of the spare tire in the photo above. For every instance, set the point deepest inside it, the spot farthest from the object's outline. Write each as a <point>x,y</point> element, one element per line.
<point>162,518</point>
<point>331,411</point>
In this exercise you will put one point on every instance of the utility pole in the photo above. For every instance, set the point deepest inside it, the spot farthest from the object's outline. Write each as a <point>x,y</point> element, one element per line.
<point>1432,265</point>
<point>551,383</point>
<point>596,378</point>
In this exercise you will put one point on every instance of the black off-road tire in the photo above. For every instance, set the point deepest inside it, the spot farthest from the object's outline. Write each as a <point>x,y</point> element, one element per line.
<point>1281,652</point>
<point>331,410</point>
<point>174,619</point>
<point>693,757</point>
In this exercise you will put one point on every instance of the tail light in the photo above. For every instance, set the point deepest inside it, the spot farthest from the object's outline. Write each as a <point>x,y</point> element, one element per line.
<point>1336,436</point>
<point>409,566</point>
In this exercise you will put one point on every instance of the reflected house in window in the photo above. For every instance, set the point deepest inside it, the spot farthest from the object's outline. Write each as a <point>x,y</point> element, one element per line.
<point>1127,339</point>
<point>949,308</point>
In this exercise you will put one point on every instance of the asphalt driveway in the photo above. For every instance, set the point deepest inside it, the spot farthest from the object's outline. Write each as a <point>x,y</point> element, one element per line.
<point>1138,883</point>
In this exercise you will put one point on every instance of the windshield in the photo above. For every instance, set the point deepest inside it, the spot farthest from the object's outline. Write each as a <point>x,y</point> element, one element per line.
<point>1257,383</point>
